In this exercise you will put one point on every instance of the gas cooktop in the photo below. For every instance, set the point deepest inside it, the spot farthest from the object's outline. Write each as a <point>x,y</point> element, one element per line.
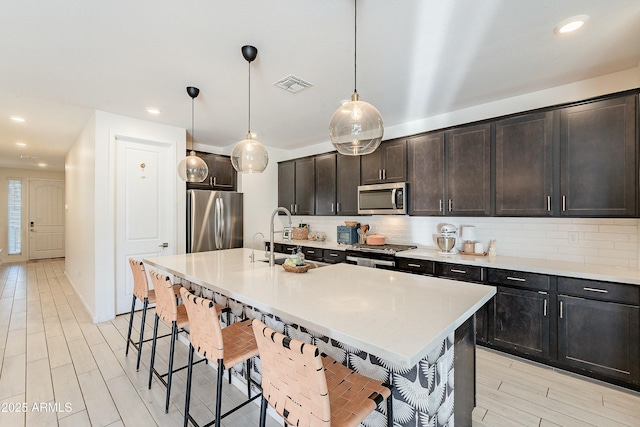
<point>381,249</point>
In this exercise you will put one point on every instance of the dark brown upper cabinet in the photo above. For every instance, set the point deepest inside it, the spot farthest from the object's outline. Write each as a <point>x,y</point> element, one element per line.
<point>524,165</point>
<point>325,178</point>
<point>387,164</point>
<point>468,171</point>
<point>348,179</point>
<point>425,174</point>
<point>296,190</point>
<point>222,175</point>
<point>598,155</point>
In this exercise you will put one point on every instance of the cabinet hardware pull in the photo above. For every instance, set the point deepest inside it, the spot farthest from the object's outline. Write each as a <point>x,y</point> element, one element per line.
<point>384,174</point>
<point>333,255</point>
<point>454,270</point>
<point>214,181</point>
<point>602,291</point>
<point>338,207</point>
<point>295,208</point>
<point>545,309</point>
<point>549,203</point>
<point>561,309</point>
<point>414,265</point>
<point>440,208</point>
<point>380,174</point>
<point>332,207</point>
<point>564,203</point>
<point>516,279</point>
<point>291,210</point>
<point>311,252</point>
<point>450,204</point>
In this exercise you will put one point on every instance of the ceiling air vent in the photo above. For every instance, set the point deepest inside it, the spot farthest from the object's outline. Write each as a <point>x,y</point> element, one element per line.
<point>292,84</point>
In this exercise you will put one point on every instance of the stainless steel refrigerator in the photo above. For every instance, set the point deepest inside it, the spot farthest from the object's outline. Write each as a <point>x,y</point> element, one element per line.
<point>214,220</point>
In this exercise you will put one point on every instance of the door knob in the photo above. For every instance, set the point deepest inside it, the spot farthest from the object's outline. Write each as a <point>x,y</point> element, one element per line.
<point>163,245</point>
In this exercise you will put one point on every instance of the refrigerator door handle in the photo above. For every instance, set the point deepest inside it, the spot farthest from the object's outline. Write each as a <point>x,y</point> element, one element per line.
<point>216,224</point>
<point>221,223</point>
<point>192,229</point>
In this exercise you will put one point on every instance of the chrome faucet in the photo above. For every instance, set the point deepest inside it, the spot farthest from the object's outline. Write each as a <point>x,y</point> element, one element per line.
<point>272,259</point>
<point>252,257</point>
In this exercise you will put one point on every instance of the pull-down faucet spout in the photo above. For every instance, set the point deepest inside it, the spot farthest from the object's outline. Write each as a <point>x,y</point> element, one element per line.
<point>272,259</point>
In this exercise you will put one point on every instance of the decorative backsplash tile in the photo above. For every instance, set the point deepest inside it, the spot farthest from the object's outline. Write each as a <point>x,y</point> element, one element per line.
<point>587,240</point>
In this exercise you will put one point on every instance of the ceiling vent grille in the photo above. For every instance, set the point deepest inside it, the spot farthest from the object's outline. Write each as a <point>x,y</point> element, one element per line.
<point>292,84</point>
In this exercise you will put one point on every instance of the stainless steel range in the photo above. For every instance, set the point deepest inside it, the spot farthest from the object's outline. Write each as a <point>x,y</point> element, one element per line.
<point>377,256</point>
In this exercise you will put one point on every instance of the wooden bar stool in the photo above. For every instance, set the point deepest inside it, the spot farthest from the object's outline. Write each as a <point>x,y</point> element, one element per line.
<point>311,389</point>
<point>142,292</point>
<point>228,347</point>
<point>171,313</point>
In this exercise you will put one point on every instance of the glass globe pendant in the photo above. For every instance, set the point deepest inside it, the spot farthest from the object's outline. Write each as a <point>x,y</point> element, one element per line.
<point>249,155</point>
<point>192,168</point>
<point>356,128</point>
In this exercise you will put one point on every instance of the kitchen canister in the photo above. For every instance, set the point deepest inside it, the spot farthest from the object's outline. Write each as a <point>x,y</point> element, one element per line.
<point>478,248</point>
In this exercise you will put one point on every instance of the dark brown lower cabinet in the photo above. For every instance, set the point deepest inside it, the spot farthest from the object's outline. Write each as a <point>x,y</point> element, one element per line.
<point>520,321</point>
<point>599,337</point>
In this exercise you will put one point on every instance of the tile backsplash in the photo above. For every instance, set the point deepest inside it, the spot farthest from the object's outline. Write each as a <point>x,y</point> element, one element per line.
<point>594,241</point>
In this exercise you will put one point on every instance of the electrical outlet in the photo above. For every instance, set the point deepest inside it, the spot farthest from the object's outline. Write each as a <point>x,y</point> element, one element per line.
<point>573,237</point>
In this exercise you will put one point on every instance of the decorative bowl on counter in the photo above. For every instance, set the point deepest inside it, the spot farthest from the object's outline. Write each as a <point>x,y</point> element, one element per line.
<point>297,268</point>
<point>351,223</point>
<point>375,239</point>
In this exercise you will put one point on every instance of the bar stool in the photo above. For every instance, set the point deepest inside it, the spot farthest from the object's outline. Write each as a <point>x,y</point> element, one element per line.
<point>308,388</point>
<point>228,347</point>
<point>170,312</point>
<point>142,292</point>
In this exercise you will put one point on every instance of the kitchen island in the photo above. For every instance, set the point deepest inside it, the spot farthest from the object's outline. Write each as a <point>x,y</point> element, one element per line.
<point>384,324</point>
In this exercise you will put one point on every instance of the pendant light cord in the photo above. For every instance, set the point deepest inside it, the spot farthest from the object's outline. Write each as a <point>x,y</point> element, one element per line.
<point>249,123</point>
<point>192,135</point>
<point>355,45</point>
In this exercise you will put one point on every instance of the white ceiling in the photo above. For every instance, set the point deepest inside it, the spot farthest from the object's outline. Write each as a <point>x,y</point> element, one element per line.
<point>60,60</point>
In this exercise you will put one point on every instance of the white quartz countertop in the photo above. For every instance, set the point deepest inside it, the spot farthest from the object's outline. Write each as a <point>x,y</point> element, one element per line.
<point>543,266</point>
<point>398,317</point>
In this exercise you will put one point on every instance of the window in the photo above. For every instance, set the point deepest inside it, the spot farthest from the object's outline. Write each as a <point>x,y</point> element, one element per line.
<point>15,217</point>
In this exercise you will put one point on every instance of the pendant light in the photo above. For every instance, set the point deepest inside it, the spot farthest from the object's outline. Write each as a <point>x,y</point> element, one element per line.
<point>192,168</point>
<point>356,128</point>
<point>249,155</point>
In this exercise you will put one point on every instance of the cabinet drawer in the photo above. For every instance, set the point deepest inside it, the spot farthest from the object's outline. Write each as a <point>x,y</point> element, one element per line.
<point>312,253</point>
<point>283,248</point>
<point>459,271</point>
<point>604,291</point>
<point>519,279</point>
<point>419,266</point>
<point>333,257</point>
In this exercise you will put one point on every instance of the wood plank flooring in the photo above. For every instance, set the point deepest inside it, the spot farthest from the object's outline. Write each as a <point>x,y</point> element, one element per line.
<point>76,373</point>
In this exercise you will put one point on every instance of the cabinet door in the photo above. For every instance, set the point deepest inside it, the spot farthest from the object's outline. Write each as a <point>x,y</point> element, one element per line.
<point>394,168</point>
<point>286,185</point>
<point>598,158</point>
<point>348,179</point>
<point>305,186</point>
<point>371,167</point>
<point>468,171</point>
<point>523,158</point>
<point>425,175</point>
<point>521,322</point>
<point>224,176</point>
<point>599,337</point>
<point>325,178</point>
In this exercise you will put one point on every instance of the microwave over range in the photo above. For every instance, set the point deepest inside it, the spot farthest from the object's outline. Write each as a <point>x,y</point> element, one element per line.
<point>382,199</point>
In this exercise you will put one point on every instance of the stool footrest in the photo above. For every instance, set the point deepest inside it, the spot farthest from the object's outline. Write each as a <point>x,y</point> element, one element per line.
<point>231,411</point>
<point>161,376</point>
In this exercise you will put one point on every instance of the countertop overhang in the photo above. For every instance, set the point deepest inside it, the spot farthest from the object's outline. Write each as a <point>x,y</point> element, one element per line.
<point>398,317</point>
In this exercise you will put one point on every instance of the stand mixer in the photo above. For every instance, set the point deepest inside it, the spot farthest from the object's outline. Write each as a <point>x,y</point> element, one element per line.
<point>447,239</point>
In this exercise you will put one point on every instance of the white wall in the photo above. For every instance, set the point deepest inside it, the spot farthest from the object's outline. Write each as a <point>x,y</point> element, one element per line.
<point>91,162</point>
<point>25,175</point>
<point>602,241</point>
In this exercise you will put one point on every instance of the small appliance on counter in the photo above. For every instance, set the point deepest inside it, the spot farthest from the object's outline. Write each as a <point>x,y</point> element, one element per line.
<point>447,239</point>
<point>348,234</point>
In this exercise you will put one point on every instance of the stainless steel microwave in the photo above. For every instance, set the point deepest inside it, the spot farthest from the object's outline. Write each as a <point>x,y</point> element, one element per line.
<point>382,198</point>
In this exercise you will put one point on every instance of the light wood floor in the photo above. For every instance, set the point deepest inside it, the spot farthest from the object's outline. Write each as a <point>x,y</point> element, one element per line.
<point>51,353</point>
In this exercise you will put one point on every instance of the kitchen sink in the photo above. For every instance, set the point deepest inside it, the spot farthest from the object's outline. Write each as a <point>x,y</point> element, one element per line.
<point>312,264</point>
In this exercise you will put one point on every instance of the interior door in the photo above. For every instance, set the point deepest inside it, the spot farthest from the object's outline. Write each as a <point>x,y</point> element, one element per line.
<point>143,212</point>
<point>46,219</point>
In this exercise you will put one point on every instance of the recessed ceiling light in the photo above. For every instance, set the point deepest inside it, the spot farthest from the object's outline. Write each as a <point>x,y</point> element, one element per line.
<point>571,24</point>
<point>17,119</point>
<point>152,110</point>
<point>21,144</point>
<point>42,165</point>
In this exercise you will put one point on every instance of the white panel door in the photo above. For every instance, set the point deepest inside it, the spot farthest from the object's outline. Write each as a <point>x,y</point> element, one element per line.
<point>144,209</point>
<point>46,219</point>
